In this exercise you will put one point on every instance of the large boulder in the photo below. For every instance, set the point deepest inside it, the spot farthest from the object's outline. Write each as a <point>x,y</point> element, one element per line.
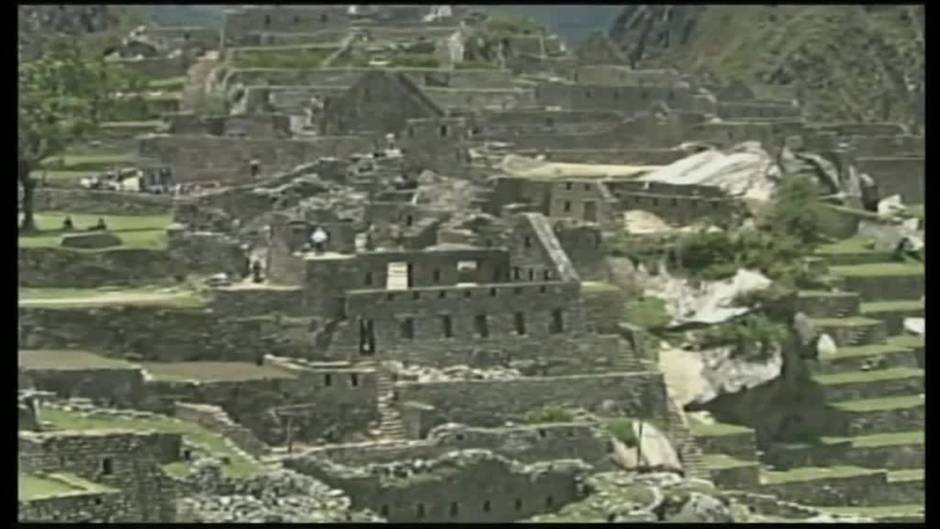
<point>701,508</point>
<point>89,240</point>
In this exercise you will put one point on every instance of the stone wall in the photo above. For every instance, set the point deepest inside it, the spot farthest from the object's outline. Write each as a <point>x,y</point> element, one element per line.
<point>128,461</point>
<point>209,158</point>
<point>156,67</point>
<point>345,77</point>
<point>604,308</point>
<point>586,200</point>
<point>830,492</point>
<point>458,487</point>
<point>254,299</point>
<point>289,19</point>
<point>215,419</point>
<point>153,332</point>
<point>525,443</point>
<point>208,253</point>
<point>102,202</point>
<point>63,267</point>
<point>625,99</point>
<point>89,507</point>
<point>492,403</point>
<point>897,176</point>
<point>122,387</point>
<point>674,203</point>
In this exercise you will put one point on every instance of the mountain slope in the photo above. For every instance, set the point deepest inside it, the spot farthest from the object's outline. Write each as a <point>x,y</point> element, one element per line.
<point>863,63</point>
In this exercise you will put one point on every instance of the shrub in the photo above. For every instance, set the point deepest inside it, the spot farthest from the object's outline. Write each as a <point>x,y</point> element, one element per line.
<point>749,335</point>
<point>548,414</point>
<point>796,211</point>
<point>647,312</point>
<point>622,430</point>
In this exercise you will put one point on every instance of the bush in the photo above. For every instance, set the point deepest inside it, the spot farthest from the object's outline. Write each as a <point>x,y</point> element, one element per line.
<point>647,312</point>
<point>751,334</point>
<point>796,211</point>
<point>549,414</point>
<point>622,430</point>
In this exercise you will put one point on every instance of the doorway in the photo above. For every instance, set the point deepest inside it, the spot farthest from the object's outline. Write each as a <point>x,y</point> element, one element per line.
<point>590,211</point>
<point>366,337</point>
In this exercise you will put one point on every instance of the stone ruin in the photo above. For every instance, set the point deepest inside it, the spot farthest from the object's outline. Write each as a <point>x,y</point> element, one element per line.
<point>453,350</point>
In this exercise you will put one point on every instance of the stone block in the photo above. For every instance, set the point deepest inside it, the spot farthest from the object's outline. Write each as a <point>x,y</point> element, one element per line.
<point>91,240</point>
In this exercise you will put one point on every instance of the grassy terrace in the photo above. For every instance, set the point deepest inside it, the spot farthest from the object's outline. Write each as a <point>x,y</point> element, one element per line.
<point>854,377</point>
<point>917,211</point>
<point>139,232</point>
<point>592,287</point>
<point>167,83</point>
<point>811,473</point>
<point>717,429</point>
<point>87,161</point>
<point>888,403</point>
<point>907,340</point>
<point>35,487</point>
<point>880,439</point>
<point>914,474</point>
<point>84,297</point>
<point>891,306</point>
<point>852,321</point>
<point>886,510</point>
<point>846,246</point>
<point>879,269</point>
<point>722,461</point>
<point>52,359</point>
<point>213,371</point>
<point>241,466</point>
<point>867,350</point>
<point>823,294</point>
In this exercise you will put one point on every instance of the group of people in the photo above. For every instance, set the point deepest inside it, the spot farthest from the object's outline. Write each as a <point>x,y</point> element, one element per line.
<point>68,225</point>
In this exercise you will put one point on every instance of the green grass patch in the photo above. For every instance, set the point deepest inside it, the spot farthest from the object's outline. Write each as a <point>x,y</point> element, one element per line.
<point>240,467</point>
<point>891,306</point>
<point>213,371</point>
<point>812,473</point>
<point>147,124</point>
<point>855,377</point>
<point>879,269</point>
<point>722,461</point>
<point>884,404</point>
<point>647,312</point>
<point>823,294</point>
<point>622,430</point>
<point>34,487</point>
<point>852,321</point>
<point>881,439</point>
<point>917,211</point>
<point>139,232</point>
<point>878,511</point>
<point>163,97</point>
<point>590,287</point>
<point>717,429</point>
<point>907,340</point>
<point>915,474</point>
<point>167,83</point>
<point>103,296</point>
<point>60,178</point>
<point>549,414</point>
<point>87,162</point>
<point>68,359</point>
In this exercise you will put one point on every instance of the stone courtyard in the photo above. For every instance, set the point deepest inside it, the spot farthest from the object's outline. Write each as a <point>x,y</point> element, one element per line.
<point>416,264</point>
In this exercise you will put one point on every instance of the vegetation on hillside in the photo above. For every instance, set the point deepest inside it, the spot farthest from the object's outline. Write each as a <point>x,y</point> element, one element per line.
<point>753,336</point>
<point>842,62</point>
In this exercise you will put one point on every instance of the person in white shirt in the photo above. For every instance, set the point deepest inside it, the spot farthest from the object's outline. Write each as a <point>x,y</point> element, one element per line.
<point>319,238</point>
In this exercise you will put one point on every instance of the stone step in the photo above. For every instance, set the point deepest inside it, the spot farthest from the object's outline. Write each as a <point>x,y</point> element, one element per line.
<point>910,513</point>
<point>854,331</point>
<point>879,451</point>
<point>858,385</point>
<point>894,352</point>
<point>728,472</point>
<point>893,313</point>
<point>884,281</point>
<point>825,304</point>
<point>873,416</point>
<point>834,486</point>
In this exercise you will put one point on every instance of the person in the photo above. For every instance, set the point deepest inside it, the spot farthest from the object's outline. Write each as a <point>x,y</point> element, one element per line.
<point>100,226</point>
<point>256,271</point>
<point>255,168</point>
<point>908,247</point>
<point>67,224</point>
<point>370,242</point>
<point>319,238</point>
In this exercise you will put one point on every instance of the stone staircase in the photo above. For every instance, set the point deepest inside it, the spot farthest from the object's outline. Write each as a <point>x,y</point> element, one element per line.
<point>684,442</point>
<point>391,426</point>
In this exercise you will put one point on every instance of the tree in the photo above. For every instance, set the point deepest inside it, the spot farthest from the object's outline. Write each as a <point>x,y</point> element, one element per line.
<point>62,97</point>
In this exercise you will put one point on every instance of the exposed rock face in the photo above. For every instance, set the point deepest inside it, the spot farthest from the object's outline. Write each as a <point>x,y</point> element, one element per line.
<point>869,65</point>
<point>703,509</point>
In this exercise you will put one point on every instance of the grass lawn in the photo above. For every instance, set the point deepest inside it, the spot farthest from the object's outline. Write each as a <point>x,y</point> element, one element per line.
<point>172,297</point>
<point>213,371</point>
<point>51,359</point>
<point>879,269</point>
<point>61,178</point>
<point>717,429</point>
<point>886,510</point>
<point>914,474</point>
<point>917,211</point>
<point>167,83</point>
<point>853,377</point>
<point>647,312</point>
<point>908,340</point>
<point>853,321</point>
<point>868,350</point>
<point>880,439</point>
<point>722,461</point>
<point>139,232</point>
<point>590,287</point>
<point>888,403</point>
<point>890,306</point>
<point>34,487</point>
<point>240,467</point>
<point>87,161</point>
<point>811,473</point>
